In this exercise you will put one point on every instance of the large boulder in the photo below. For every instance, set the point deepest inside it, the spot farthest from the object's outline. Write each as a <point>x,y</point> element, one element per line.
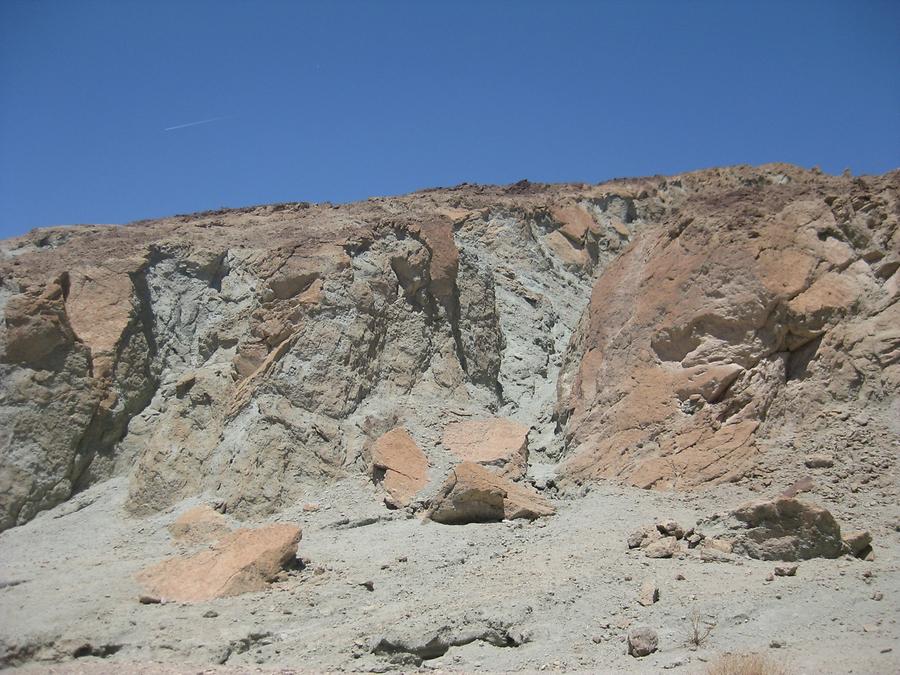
<point>786,528</point>
<point>241,562</point>
<point>400,466</point>
<point>473,494</point>
<point>497,442</point>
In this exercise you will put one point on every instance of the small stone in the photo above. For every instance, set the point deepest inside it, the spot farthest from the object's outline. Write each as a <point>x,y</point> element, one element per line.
<point>664,548</point>
<point>878,595</point>
<point>709,554</point>
<point>310,508</point>
<point>670,528</point>
<point>643,537</point>
<point>210,614</point>
<point>859,543</point>
<point>819,462</point>
<point>785,570</point>
<point>648,594</point>
<point>149,600</point>
<point>597,639</point>
<point>770,577</point>
<point>642,641</point>
<point>677,662</point>
<point>776,644</point>
<point>721,545</point>
<point>805,484</point>
<point>368,585</point>
<point>679,577</point>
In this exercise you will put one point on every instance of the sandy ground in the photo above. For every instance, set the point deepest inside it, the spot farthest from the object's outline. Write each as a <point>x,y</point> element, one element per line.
<point>561,593</point>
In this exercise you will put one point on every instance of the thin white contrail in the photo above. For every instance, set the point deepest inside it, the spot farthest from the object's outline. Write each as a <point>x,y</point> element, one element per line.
<point>193,124</point>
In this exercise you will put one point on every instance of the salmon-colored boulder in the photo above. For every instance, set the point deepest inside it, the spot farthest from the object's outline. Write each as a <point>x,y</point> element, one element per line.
<point>473,494</point>
<point>241,562</point>
<point>399,465</point>
<point>496,442</point>
<point>576,223</point>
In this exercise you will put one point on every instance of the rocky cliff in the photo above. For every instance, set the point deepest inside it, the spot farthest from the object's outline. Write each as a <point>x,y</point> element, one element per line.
<point>670,332</point>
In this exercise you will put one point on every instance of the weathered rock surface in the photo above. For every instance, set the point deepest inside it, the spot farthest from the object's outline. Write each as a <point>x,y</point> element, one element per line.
<point>742,316</point>
<point>496,442</point>
<point>474,494</point>
<point>249,355</point>
<point>859,543</point>
<point>725,325</point>
<point>786,528</point>
<point>643,537</point>
<point>412,647</point>
<point>241,562</point>
<point>662,548</point>
<point>199,525</point>
<point>399,465</point>
<point>565,587</point>
<point>648,593</point>
<point>670,332</point>
<point>642,641</point>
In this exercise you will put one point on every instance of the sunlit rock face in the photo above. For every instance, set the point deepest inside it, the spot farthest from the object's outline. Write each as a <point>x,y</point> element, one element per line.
<point>662,331</point>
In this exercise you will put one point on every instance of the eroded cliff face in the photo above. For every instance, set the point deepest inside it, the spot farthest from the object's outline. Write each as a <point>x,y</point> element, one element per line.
<point>647,329</point>
<point>247,353</point>
<point>760,304</point>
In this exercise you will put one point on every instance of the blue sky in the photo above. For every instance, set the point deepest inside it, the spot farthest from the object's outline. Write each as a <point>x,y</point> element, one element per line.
<point>343,100</point>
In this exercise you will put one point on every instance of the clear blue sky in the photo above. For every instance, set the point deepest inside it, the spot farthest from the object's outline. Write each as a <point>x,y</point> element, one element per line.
<point>343,100</point>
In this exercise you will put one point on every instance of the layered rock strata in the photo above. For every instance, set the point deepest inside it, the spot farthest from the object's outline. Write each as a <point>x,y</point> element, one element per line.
<point>664,331</point>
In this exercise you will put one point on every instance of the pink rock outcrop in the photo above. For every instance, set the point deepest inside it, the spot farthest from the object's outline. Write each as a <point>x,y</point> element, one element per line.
<point>400,466</point>
<point>244,561</point>
<point>473,494</point>
<point>498,442</point>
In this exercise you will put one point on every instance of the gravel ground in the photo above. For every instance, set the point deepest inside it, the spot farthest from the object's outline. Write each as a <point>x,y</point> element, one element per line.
<point>555,594</point>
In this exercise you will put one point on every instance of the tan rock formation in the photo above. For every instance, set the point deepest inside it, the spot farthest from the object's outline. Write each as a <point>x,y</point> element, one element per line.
<point>100,307</point>
<point>787,528</point>
<point>241,562</point>
<point>496,442</point>
<point>657,330</point>
<point>399,465</point>
<point>473,494</point>
<point>694,334</point>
